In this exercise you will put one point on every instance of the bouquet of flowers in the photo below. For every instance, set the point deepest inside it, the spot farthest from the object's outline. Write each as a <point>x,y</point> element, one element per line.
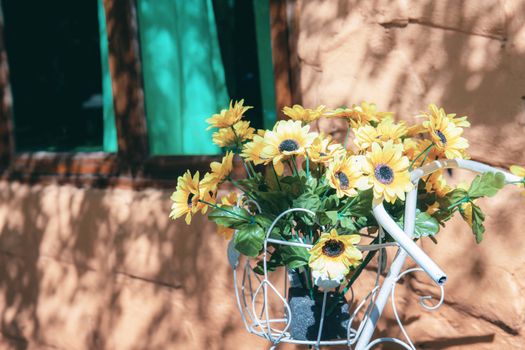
<point>292,166</point>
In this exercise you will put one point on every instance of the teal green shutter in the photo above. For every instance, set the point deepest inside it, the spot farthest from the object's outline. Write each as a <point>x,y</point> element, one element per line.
<point>110,131</point>
<point>183,74</point>
<point>264,53</point>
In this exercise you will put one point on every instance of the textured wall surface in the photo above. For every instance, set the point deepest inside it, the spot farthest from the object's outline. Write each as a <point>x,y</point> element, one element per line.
<point>469,57</point>
<point>106,269</point>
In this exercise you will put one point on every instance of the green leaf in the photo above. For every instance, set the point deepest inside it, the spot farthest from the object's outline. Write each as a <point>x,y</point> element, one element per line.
<point>310,201</point>
<point>307,200</point>
<point>361,205</point>
<point>425,226</point>
<point>333,216</point>
<point>348,223</point>
<point>452,198</point>
<point>227,218</point>
<point>294,257</point>
<point>331,202</point>
<point>271,265</point>
<point>477,223</point>
<point>273,202</point>
<point>249,239</point>
<point>487,184</point>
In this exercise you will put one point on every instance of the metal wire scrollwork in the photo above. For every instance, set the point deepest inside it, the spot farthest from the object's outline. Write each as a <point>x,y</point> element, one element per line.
<point>253,291</point>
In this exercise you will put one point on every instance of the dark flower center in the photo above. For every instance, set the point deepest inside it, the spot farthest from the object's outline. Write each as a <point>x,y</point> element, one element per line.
<point>442,137</point>
<point>384,174</point>
<point>343,180</point>
<point>333,248</point>
<point>288,145</point>
<point>190,198</point>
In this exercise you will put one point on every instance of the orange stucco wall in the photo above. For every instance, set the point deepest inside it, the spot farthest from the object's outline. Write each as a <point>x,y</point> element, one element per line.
<point>106,269</point>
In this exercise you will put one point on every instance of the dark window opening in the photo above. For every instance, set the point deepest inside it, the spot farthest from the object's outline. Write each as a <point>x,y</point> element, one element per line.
<point>238,42</point>
<point>54,61</point>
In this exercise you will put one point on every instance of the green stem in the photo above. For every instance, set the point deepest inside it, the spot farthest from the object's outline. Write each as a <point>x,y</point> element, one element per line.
<point>361,267</point>
<point>348,205</point>
<point>307,166</point>
<point>237,140</point>
<point>227,210</point>
<point>276,177</point>
<point>295,165</point>
<point>236,184</point>
<point>252,169</point>
<point>461,201</point>
<point>420,154</point>
<point>346,136</point>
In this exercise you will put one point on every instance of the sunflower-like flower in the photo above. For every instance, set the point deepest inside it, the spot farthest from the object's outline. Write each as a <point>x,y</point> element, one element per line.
<point>288,138</point>
<point>461,121</point>
<point>323,149</point>
<point>367,112</point>
<point>384,131</point>
<point>226,137</point>
<point>445,133</point>
<point>518,171</point>
<point>252,151</point>
<point>187,196</point>
<point>305,115</point>
<point>332,257</point>
<point>228,117</point>
<point>219,172</point>
<point>230,199</point>
<point>346,177</point>
<point>436,183</point>
<point>388,170</point>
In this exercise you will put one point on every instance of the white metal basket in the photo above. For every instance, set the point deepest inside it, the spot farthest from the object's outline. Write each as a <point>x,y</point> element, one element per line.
<point>255,294</point>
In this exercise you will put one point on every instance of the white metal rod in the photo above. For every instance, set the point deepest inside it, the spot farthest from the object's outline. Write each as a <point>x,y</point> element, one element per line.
<point>406,242</point>
<point>391,278</point>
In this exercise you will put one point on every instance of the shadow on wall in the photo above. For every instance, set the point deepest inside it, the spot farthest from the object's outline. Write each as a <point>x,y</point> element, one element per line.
<point>465,55</point>
<point>94,269</point>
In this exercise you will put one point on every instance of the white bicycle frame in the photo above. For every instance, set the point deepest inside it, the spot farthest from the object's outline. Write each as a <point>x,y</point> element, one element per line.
<point>261,324</point>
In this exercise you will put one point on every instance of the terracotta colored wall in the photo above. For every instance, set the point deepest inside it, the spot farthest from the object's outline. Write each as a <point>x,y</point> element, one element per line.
<point>106,269</point>
<point>468,56</point>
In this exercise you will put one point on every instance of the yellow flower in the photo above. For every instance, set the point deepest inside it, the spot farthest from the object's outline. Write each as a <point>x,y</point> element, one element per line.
<point>288,138</point>
<point>324,150</point>
<point>518,171</point>
<point>219,172</point>
<point>436,183</point>
<point>186,197</point>
<point>411,148</point>
<point>466,208</point>
<point>386,130</point>
<point>230,199</point>
<point>461,121</point>
<point>228,117</point>
<point>416,130</point>
<point>367,112</point>
<point>306,115</point>
<point>445,134</point>
<point>225,137</point>
<point>388,170</point>
<point>346,177</point>
<point>342,112</point>
<point>252,151</point>
<point>332,257</point>
<point>225,232</point>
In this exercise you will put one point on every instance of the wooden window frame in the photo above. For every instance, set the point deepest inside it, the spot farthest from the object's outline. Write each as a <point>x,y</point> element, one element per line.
<point>132,166</point>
